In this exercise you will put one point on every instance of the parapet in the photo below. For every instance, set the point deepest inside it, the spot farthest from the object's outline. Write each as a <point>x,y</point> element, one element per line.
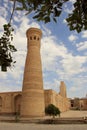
<point>34,34</point>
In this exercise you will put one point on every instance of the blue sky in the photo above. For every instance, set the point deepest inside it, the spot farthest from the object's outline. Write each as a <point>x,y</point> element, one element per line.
<point>63,52</point>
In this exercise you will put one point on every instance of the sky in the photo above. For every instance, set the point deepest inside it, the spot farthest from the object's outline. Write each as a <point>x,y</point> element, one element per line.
<point>63,52</point>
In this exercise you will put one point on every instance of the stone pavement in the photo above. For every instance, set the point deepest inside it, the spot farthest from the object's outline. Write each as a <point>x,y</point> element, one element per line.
<point>73,113</point>
<point>21,126</point>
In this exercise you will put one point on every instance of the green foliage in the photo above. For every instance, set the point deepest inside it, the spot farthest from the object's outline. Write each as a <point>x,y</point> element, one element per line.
<point>44,10</point>
<point>6,48</point>
<point>77,20</point>
<point>52,110</point>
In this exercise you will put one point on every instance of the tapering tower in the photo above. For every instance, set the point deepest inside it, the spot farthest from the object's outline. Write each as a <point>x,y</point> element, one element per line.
<point>32,92</point>
<point>63,89</point>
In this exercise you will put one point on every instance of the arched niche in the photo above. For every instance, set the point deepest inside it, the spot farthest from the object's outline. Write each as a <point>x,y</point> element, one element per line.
<point>0,103</point>
<point>17,103</point>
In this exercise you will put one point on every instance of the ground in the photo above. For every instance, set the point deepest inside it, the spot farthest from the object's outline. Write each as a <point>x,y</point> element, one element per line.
<point>19,126</point>
<point>74,114</point>
<point>32,126</point>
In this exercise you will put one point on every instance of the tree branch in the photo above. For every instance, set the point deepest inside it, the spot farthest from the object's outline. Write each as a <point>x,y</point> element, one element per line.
<point>12,11</point>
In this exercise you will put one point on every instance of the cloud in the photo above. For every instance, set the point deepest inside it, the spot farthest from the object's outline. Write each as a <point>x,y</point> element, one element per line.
<point>3,12</point>
<point>59,60</point>
<point>50,52</point>
<point>10,87</point>
<point>68,8</point>
<point>72,65</point>
<point>84,34</point>
<point>78,86</point>
<point>72,38</point>
<point>74,89</point>
<point>82,46</point>
<point>64,21</point>
<point>3,75</point>
<point>46,31</point>
<point>72,1</point>
<point>54,85</point>
<point>2,22</point>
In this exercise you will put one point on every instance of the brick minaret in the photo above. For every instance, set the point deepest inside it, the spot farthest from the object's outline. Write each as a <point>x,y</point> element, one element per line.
<point>32,91</point>
<point>63,89</point>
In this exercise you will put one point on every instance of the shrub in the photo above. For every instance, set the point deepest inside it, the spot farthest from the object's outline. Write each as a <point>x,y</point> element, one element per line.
<point>52,110</point>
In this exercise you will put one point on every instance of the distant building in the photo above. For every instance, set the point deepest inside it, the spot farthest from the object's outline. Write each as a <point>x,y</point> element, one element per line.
<point>79,103</point>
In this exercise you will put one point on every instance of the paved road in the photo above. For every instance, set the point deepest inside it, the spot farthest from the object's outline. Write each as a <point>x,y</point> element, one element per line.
<point>19,126</point>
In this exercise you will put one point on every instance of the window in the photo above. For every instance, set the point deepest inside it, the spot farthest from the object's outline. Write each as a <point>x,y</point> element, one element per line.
<point>30,38</point>
<point>34,37</point>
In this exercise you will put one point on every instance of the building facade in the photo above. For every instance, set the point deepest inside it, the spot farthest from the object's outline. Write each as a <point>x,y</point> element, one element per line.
<point>33,99</point>
<point>10,102</point>
<point>79,103</point>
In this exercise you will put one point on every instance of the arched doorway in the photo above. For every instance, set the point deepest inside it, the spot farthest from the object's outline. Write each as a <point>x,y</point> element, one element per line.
<point>17,103</point>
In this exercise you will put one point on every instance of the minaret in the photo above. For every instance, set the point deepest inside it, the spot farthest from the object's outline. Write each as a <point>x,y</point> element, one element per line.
<point>63,89</point>
<point>32,92</point>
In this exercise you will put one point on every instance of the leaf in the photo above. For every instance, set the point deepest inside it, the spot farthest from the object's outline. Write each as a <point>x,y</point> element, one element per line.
<point>47,19</point>
<point>19,8</point>
<point>11,38</point>
<point>55,20</point>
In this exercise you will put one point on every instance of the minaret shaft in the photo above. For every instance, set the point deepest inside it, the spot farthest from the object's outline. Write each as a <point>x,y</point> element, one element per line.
<point>32,91</point>
<point>33,71</point>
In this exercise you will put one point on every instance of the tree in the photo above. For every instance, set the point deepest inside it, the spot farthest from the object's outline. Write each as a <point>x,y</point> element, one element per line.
<point>52,110</point>
<point>43,10</point>
<point>77,20</point>
<point>6,47</point>
<point>46,10</point>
